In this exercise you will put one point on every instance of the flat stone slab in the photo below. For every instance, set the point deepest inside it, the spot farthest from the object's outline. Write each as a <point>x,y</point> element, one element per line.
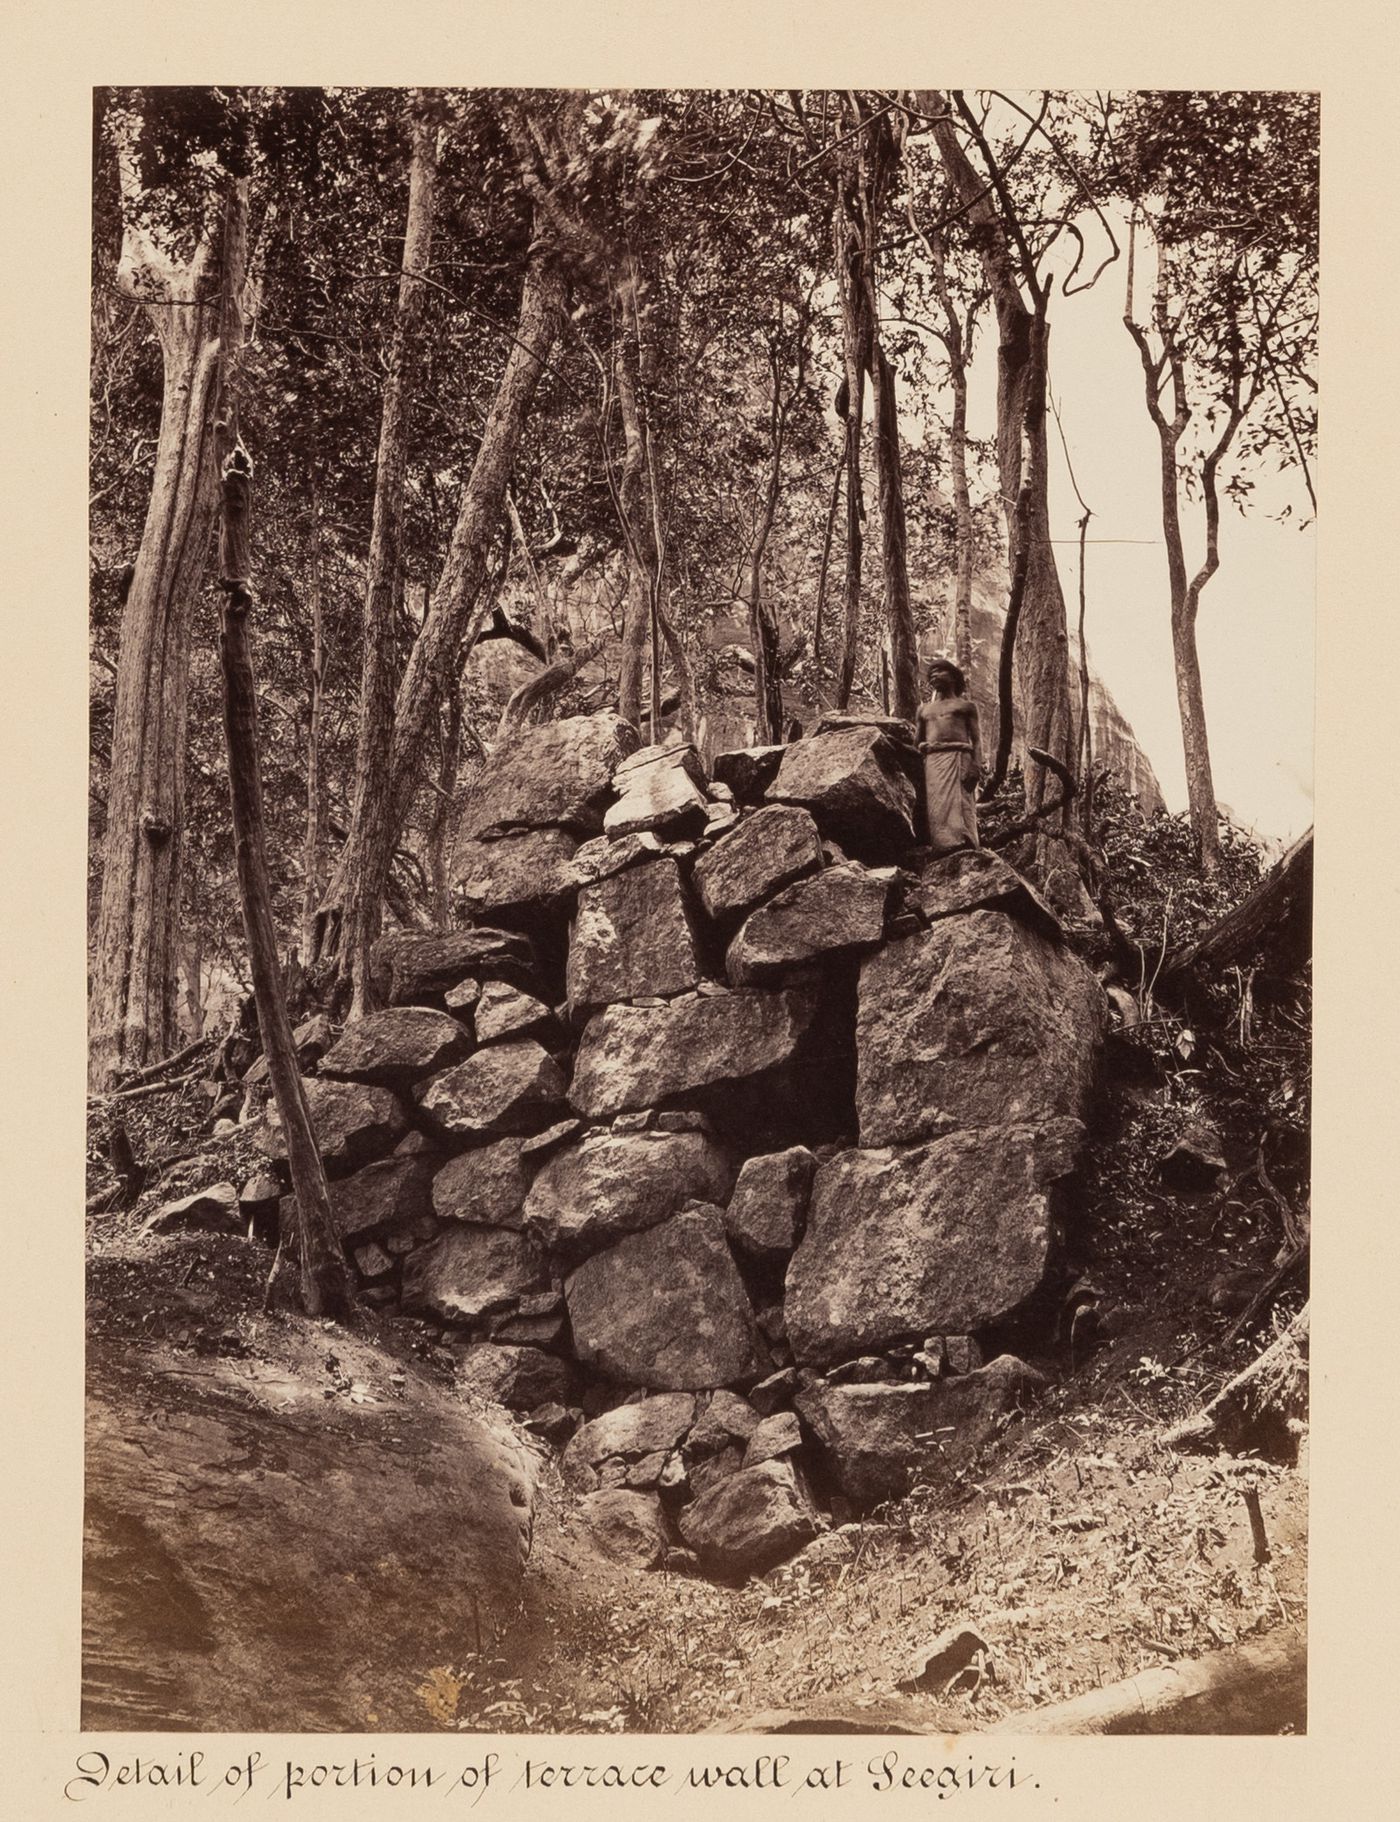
<point>421,966</point>
<point>396,1048</point>
<point>976,879</point>
<point>503,1088</point>
<point>353,1121</point>
<point>840,910</point>
<point>528,871</point>
<point>637,1056</point>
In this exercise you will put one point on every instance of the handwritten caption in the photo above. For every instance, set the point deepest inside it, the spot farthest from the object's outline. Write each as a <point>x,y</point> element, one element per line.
<point>97,1774</point>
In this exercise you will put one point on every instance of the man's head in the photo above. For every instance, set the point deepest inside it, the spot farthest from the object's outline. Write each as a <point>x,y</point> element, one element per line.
<point>943,674</point>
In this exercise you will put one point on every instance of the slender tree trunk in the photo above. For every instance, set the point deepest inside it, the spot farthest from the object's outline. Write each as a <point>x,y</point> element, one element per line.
<point>192,961</point>
<point>639,629</point>
<point>763,624</point>
<point>899,616</point>
<point>863,174</point>
<point>132,1008</point>
<point>443,824</point>
<point>459,608</point>
<point>327,1287</point>
<point>362,906</point>
<point>856,355</point>
<point>955,341</point>
<point>314,846</point>
<point>1184,594</point>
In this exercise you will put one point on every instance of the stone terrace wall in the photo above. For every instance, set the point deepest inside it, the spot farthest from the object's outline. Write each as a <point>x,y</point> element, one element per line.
<point>721,1132</point>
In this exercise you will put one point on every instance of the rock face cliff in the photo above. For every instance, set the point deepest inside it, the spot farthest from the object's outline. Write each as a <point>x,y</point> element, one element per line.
<point>724,1134</point>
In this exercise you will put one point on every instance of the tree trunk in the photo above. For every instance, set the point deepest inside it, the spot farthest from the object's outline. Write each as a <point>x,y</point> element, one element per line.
<point>1278,911</point>
<point>1041,653</point>
<point>1259,1687</point>
<point>132,1009</point>
<point>638,629</point>
<point>1184,594</point>
<point>899,617</point>
<point>314,846</point>
<point>442,827</point>
<point>458,610</point>
<point>855,350</point>
<point>327,1287</point>
<point>763,624</point>
<point>956,344</point>
<point>362,904</point>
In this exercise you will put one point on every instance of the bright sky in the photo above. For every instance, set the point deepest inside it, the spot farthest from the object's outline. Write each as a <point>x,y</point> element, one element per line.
<point>1256,625</point>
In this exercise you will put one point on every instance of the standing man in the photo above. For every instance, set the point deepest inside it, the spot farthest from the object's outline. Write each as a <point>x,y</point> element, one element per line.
<point>950,741</point>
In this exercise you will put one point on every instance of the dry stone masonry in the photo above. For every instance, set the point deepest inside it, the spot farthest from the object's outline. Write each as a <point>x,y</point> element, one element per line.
<point>723,1136</point>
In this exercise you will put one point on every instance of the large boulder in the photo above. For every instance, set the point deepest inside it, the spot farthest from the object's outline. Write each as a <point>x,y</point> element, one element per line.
<point>662,793</point>
<point>976,1021</point>
<point>608,1184</point>
<point>976,879</point>
<point>856,783</point>
<point>766,851</point>
<point>766,1213</point>
<point>626,1527</point>
<point>268,1551</point>
<point>505,1088</point>
<point>469,1272</point>
<point>522,874</point>
<point>636,1056</point>
<point>630,1433</point>
<point>397,1048</point>
<point>424,966</point>
<point>874,1440</point>
<point>631,939</point>
<point>559,774</point>
<point>354,1123</point>
<point>904,1242</point>
<point>837,911</point>
<point>666,1308</point>
<point>750,1521</point>
<point>487,1185</point>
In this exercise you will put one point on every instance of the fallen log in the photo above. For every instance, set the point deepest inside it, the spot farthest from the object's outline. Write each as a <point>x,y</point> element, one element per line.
<point>1262,1409</point>
<point>1256,1688</point>
<point>1278,910</point>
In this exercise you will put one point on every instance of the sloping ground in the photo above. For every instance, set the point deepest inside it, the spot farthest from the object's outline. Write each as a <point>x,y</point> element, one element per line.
<point>282,1520</point>
<point>1080,1548</point>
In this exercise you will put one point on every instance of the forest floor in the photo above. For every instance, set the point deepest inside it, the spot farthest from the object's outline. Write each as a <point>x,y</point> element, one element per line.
<point>1079,1545</point>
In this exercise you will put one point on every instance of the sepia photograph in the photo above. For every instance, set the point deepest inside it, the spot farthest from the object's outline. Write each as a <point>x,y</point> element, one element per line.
<point>700,888</point>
